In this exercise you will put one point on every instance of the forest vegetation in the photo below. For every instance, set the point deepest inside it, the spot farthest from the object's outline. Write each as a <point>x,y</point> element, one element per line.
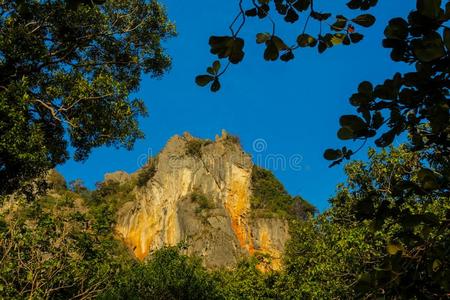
<point>68,71</point>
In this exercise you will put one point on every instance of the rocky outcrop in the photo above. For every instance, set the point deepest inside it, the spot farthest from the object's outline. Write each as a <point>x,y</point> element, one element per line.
<point>199,193</point>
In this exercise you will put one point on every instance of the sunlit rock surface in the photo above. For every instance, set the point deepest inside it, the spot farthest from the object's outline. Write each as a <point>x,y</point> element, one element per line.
<point>219,227</point>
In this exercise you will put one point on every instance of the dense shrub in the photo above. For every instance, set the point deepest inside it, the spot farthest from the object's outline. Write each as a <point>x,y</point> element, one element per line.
<point>147,172</point>
<point>270,195</point>
<point>166,275</point>
<point>203,202</point>
<point>194,148</point>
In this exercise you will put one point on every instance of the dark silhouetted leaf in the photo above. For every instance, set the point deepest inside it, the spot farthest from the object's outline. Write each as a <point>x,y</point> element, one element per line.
<point>291,16</point>
<point>428,48</point>
<point>332,154</point>
<point>397,29</point>
<point>356,37</point>
<point>215,86</point>
<point>345,133</point>
<point>429,8</point>
<point>302,5</point>
<point>365,20</point>
<point>320,16</point>
<point>271,53</point>
<point>287,56</point>
<point>305,40</point>
<point>203,80</point>
<point>262,37</point>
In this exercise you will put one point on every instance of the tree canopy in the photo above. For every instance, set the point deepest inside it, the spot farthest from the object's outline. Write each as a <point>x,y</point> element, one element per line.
<point>68,70</point>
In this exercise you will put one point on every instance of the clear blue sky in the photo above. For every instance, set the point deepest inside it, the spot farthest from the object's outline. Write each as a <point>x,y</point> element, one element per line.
<point>293,106</point>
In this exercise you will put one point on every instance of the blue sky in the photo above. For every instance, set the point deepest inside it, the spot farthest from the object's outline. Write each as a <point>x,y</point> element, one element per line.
<point>294,107</point>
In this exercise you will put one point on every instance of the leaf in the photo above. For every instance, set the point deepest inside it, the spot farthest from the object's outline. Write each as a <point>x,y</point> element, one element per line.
<point>359,99</point>
<point>353,122</point>
<point>345,133</point>
<point>346,40</point>
<point>251,12</point>
<point>287,56</point>
<point>216,66</point>
<point>362,4</point>
<point>226,46</point>
<point>365,20</point>
<point>394,248</point>
<point>291,16</point>
<point>332,154</point>
<point>356,37</point>
<point>320,16</point>
<point>262,37</point>
<point>322,47</point>
<point>397,29</point>
<point>436,265</point>
<point>338,38</point>
<point>447,38</point>
<point>377,120</point>
<point>215,86</point>
<point>428,48</point>
<point>340,24</point>
<point>305,40</point>
<point>429,8</point>
<point>237,54</point>
<point>271,53</point>
<point>302,5</point>
<point>365,88</point>
<point>279,43</point>
<point>203,80</point>
<point>263,11</point>
<point>428,179</point>
<point>386,139</point>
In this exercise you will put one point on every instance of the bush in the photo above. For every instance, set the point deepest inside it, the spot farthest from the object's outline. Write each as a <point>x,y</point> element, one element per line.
<point>270,195</point>
<point>147,173</point>
<point>166,275</point>
<point>56,181</point>
<point>194,148</point>
<point>202,201</point>
<point>233,139</point>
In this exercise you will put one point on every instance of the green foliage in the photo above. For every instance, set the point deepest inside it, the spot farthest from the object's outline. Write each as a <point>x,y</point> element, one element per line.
<point>270,195</point>
<point>232,139</point>
<point>106,200</point>
<point>414,226</point>
<point>52,253</point>
<point>147,172</point>
<point>246,282</point>
<point>56,181</point>
<point>203,201</point>
<point>166,275</point>
<point>323,259</point>
<point>69,69</point>
<point>194,148</point>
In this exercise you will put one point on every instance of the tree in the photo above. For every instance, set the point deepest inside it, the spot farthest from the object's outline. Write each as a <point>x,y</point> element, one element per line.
<point>166,275</point>
<point>415,104</point>
<point>371,243</point>
<point>414,227</point>
<point>48,250</point>
<point>68,69</point>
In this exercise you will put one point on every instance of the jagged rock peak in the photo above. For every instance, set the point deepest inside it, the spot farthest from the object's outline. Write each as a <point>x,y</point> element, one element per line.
<point>199,192</point>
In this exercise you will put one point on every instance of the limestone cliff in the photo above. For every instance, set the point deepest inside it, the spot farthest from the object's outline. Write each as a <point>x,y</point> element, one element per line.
<point>198,192</point>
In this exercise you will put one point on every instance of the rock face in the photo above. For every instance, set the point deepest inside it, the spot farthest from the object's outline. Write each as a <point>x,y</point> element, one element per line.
<point>199,193</point>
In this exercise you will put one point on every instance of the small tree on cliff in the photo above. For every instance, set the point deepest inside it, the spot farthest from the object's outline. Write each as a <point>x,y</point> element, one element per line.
<point>68,69</point>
